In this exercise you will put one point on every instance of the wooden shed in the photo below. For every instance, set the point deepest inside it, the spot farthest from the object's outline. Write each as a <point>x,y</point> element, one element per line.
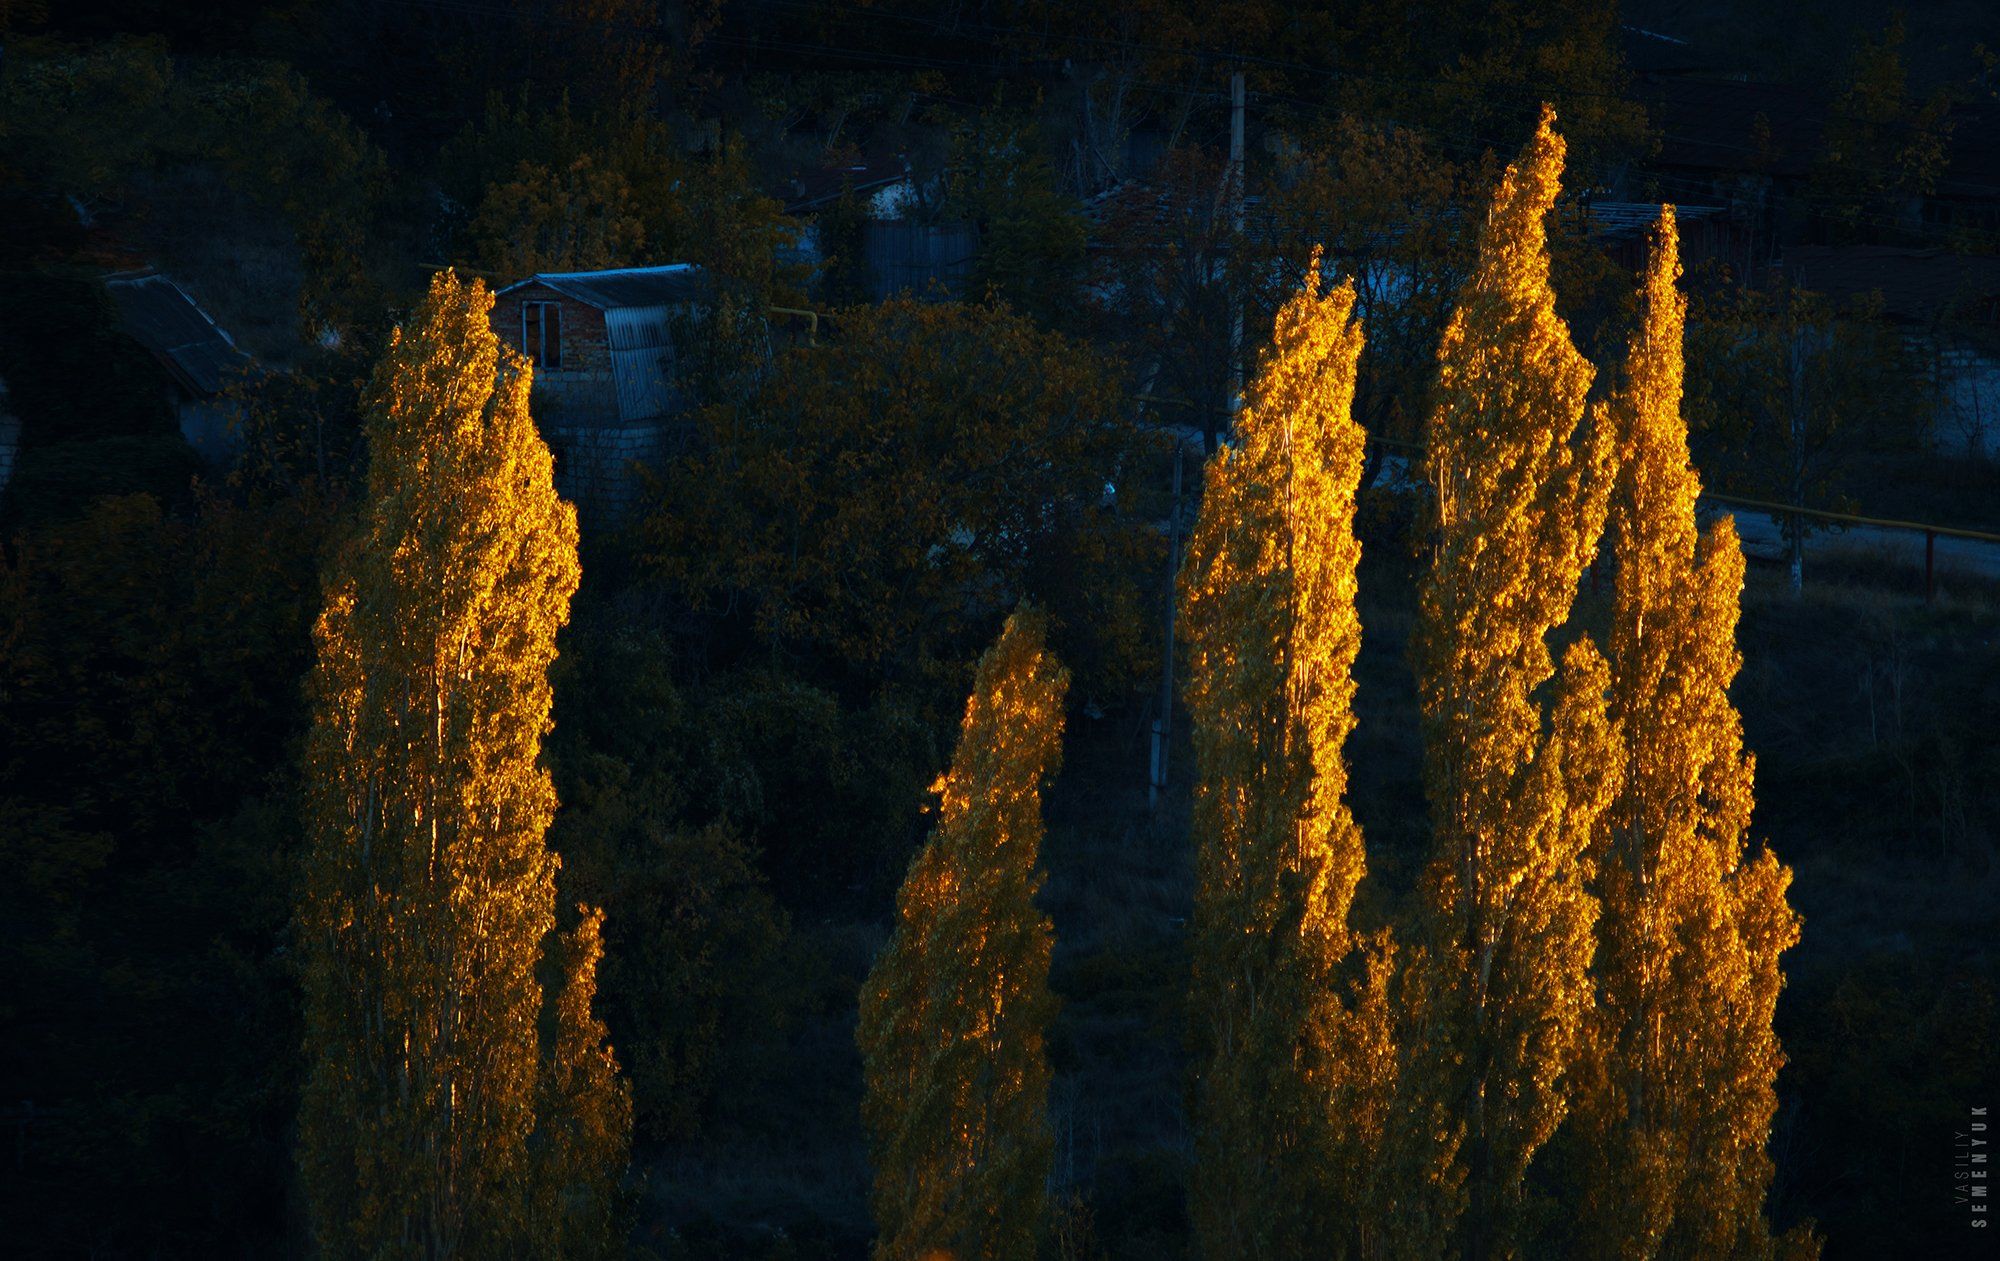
<point>607,393</point>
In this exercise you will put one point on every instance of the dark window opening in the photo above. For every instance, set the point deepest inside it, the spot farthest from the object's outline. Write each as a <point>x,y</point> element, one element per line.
<point>541,334</point>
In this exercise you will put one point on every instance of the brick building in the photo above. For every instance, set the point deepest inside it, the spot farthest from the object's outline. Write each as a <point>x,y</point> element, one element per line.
<point>607,396</point>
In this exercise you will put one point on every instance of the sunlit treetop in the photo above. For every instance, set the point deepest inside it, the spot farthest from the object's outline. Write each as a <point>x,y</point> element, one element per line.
<point>1518,783</point>
<point>428,893</point>
<point>955,1010</point>
<point>1677,1094</point>
<point>1294,1059</point>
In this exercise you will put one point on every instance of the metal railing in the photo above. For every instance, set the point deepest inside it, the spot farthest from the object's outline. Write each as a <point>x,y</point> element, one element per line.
<point>1931,531</point>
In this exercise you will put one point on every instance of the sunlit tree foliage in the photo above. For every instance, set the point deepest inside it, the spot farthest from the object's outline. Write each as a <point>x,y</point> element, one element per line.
<point>1289,1013</point>
<point>1496,997</point>
<point>428,894</point>
<point>954,1012</point>
<point>1678,1096</point>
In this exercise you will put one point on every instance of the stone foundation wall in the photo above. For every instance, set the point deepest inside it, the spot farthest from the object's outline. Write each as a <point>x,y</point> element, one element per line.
<point>601,469</point>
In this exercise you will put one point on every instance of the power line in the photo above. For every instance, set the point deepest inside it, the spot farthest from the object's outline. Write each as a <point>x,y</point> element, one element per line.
<point>856,17</point>
<point>1527,93</point>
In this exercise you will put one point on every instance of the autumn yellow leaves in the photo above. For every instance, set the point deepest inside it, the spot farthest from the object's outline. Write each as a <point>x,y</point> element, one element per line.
<point>1577,1010</point>
<point>1287,1009</point>
<point>1563,1047</point>
<point>450,1106</point>
<point>954,1012</point>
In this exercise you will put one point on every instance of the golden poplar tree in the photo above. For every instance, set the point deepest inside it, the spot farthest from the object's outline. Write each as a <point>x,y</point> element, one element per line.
<point>428,894</point>
<point>954,1012</point>
<point>583,1114</point>
<point>1289,1008</point>
<point>1677,1109</point>
<point>1496,996</point>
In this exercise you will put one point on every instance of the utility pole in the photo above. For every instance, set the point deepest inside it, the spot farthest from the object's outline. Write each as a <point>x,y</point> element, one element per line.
<point>1796,361</point>
<point>1163,726</point>
<point>1236,246</point>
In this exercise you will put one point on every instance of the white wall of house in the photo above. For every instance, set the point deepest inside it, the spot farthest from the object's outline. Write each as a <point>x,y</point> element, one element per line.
<point>212,426</point>
<point>1967,420</point>
<point>1962,378</point>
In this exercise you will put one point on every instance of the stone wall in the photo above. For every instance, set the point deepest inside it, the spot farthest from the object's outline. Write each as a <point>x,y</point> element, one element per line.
<point>598,467</point>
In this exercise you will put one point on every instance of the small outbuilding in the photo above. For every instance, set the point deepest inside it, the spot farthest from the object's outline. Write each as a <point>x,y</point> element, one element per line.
<point>1948,308</point>
<point>200,360</point>
<point>608,393</point>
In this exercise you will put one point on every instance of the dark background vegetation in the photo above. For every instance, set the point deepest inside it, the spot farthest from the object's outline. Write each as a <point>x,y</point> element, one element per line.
<point>764,674</point>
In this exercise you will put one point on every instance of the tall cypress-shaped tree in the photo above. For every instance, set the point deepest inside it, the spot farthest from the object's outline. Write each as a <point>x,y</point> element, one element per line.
<point>1497,993</point>
<point>954,1012</point>
<point>1289,1010</point>
<point>583,1113</point>
<point>1678,1107</point>
<point>428,893</point>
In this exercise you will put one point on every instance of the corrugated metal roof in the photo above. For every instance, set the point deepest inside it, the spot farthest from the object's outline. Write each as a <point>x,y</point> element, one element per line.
<point>1651,52</point>
<point>1616,220</point>
<point>809,190</point>
<point>156,313</point>
<point>670,285</point>
<point>642,362</point>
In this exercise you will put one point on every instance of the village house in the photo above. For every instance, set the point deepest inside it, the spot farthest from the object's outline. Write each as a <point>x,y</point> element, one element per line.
<point>608,393</point>
<point>902,252</point>
<point>199,359</point>
<point>1948,308</point>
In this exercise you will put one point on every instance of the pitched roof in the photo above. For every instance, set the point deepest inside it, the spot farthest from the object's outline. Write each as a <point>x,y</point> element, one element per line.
<point>1650,52</point>
<point>625,286</point>
<point>1622,220</point>
<point>811,189</point>
<point>159,315</point>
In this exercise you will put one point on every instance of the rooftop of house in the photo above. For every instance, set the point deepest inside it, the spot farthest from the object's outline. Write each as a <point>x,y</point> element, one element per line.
<point>1621,220</point>
<point>809,190</point>
<point>159,315</point>
<point>1653,52</point>
<point>620,287</point>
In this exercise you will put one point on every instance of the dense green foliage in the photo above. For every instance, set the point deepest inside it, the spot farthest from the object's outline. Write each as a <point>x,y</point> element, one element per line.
<point>884,495</point>
<point>152,704</point>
